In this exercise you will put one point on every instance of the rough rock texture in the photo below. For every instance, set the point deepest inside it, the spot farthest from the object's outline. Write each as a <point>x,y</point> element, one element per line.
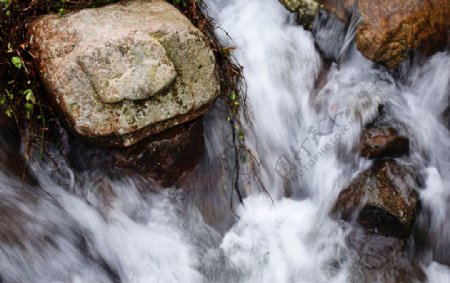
<point>306,10</point>
<point>341,8</point>
<point>162,158</point>
<point>120,73</point>
<point>382,259</point>
<point>383,197</point>
<point>172,153</point>
<point>379,141</point>
<point>391,28</point>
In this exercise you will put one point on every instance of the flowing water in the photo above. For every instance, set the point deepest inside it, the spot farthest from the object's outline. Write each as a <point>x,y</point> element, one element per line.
<point>66,225</point>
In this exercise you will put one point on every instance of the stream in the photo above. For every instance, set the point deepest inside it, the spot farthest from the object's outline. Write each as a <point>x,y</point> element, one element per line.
<point>306,118</point>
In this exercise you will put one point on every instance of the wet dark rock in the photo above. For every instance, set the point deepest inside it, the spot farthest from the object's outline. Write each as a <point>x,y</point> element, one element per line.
<point>343,9</point>
<point>382,259</point>
<point>329,33</point>
<point>306,10</point>
<point>161,158</point>
<point>382,199</point>
<point>379,141</point>
<point>430,234</point>
<point>165,157</point>
<point>11,158</point>
<point>446,117</point>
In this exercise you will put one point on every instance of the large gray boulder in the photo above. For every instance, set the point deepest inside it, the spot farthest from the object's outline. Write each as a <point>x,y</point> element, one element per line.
<point>121,73</point>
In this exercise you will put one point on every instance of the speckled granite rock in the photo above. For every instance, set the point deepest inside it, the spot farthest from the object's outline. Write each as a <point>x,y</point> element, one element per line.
<point>391,28</point>
<point>306,10</point>
<point>383,199</point>
<point>121,73</point>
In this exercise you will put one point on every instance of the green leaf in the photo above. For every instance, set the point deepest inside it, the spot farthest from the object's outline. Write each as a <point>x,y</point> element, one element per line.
<point>29,106</point>
<point>233,96</point>
<point>6,3</point>
<point>16,62</point>
<point>29,96</point>
<point>9,94</point>
<point>8,112</point>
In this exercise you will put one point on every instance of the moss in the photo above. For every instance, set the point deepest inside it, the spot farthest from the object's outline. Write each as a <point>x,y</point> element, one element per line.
<point>20,88</point>
<point>17,74</point>
<point>17,14</point>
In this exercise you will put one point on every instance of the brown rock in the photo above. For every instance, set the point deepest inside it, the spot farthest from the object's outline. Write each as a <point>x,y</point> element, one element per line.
<point>307,9</point>
<point>341,8</point>
<point>383,199</point>
<point>163,157</point>
<point>383,141</point>
<point>166,156</point>
<point>391,28</point>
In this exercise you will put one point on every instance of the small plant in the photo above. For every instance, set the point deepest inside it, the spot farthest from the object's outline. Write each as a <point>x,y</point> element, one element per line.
<point>20,89</point>
<point>178,2</point>
<point>17,62</point>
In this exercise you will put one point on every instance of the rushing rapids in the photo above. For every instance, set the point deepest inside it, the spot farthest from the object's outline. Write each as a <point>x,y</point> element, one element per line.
<point>62,224</point>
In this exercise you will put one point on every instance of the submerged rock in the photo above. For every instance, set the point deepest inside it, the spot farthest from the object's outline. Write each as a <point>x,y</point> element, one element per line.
<point>121,73</point>
<point>343,9</point>
<point>382,259</point>
<point>383,199</point>
<point>161,158</point>
<point>379,141</point>
<point>166,156</point>
<point>329,35</point>
<point>392,28</point>
<point>307,9</point>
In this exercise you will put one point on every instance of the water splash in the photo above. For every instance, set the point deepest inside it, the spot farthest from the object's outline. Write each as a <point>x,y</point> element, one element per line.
<point>68,226</point>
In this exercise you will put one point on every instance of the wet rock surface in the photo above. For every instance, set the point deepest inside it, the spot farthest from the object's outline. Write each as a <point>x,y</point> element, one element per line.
<point>383,140</point>
<point>329,35</point>
<point>11,158</point>
<point>390,29</point>
<point>343,9</point>
<point>383,199</point>
<point>306,10</point>
<point>382,259</point>
<point>162,158</point>
<point>165,157</point>
<point>121,73</point>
